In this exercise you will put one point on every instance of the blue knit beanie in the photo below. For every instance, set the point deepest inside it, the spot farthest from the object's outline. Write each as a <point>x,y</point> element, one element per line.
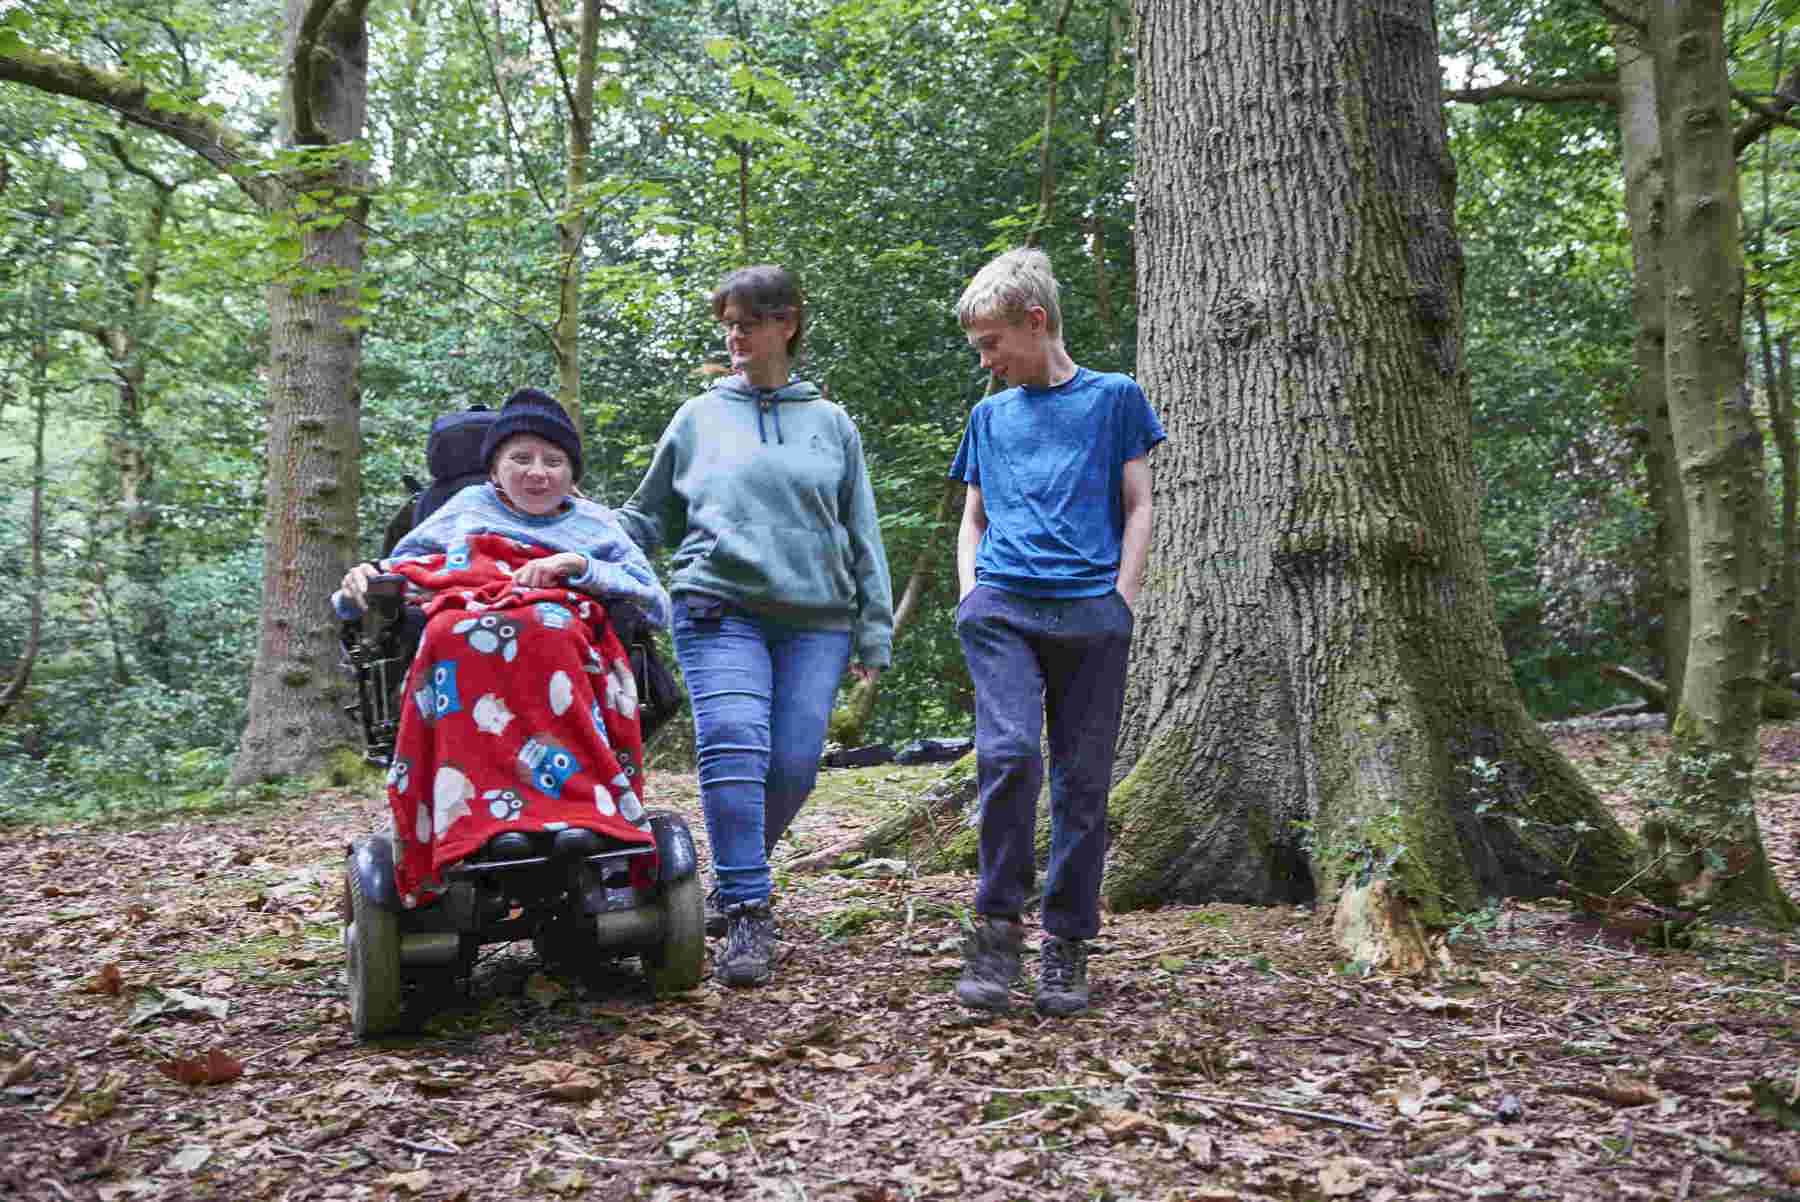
<point>533,411</point>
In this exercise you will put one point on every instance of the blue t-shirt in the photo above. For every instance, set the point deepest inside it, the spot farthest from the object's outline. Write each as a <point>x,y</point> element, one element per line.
<point>1050,463</point>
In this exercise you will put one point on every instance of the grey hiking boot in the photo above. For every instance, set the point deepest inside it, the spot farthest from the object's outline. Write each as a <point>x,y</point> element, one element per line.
<point>990,964</point>
<point>1062,977</point>
<point>715,913</point>
<point>748,957</point>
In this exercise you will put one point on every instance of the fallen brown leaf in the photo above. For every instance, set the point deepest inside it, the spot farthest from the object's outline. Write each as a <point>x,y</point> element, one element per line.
<point>1126,1124</point>
<point>109,980</point>
<point>214,1068</point>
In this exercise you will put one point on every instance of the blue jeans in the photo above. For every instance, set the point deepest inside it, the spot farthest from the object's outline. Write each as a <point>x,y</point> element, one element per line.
<point>1032,659</point>
<point>762,692</point>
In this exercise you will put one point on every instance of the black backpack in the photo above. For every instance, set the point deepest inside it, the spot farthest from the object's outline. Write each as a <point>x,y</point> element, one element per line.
<point>453,452</point>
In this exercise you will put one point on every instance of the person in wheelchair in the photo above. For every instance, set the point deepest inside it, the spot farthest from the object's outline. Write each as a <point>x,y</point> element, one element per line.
<point>518,737</point>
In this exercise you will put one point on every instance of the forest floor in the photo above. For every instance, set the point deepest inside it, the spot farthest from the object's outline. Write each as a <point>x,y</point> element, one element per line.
<point>1228,1054</point>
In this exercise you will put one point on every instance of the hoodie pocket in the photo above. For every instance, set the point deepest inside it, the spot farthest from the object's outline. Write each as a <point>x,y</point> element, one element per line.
<point>785,564</point>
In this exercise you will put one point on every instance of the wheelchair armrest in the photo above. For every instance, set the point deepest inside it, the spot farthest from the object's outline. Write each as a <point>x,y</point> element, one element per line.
<point>385,594</point>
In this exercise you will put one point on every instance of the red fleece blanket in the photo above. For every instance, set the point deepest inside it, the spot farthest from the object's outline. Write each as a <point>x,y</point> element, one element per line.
<point>520,714</point>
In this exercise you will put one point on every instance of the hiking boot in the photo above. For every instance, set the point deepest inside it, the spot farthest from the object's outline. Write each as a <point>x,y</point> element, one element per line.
<point>748,957</point>
<point>990,964</point>
<point>715,914</point>
<point>1062,977</point>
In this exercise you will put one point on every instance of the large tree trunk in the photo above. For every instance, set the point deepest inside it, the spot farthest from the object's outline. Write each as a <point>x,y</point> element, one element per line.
<point>1706,846</point>
<point>315,438</point>
<point>1319,704</point>
<point>1642,160</point>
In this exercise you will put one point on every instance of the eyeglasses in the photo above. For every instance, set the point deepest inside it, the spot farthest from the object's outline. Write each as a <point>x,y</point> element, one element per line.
<point>749,325</point>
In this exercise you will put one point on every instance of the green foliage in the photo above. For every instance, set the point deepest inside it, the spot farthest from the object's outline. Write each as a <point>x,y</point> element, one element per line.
<point>93,745</point>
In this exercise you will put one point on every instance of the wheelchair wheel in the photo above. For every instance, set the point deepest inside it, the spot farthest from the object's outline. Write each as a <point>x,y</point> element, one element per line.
<point>676,964</point>
<point>373,944</point>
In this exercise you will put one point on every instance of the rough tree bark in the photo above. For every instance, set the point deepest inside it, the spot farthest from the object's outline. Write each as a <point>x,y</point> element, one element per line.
<point>1783,396</point>
<point>1632,91</point>
<point>1705,843</point>
<point>1319,705</point>
<point>1784,581</point>
<point>1642,161</point>
<point>315,422</point>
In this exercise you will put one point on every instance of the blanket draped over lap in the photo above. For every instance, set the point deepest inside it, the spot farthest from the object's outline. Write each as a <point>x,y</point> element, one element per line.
<point>520,714</point>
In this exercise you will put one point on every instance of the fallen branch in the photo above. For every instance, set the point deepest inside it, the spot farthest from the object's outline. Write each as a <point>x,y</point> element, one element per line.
<point>1777,702</point>
<point>1315,1115</point>
<point>948,796</point>
<point>277,1047</point>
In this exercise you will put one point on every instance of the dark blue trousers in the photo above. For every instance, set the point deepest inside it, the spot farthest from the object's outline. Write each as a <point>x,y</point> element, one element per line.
<point>1033,659</point>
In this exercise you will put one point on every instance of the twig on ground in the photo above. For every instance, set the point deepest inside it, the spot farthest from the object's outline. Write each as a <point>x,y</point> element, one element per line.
<point>565,1145</point>
<point>68,1091</point>
<point>1192,1097</point>
<point>1167,951</point>
<point>419,1147</point>
<point>1032,1089</point>
<point>1316,1115</point>
<point>1687,1182</point>
<point>331,1131</point>
<point>751,1144</point>
<point>1440,1183</point>
<point>277,1047</point>
<point>56,1185</point>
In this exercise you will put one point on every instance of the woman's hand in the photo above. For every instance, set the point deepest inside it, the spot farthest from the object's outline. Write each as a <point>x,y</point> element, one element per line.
<point>551,570</point>
<point>356,584</point>
<point>865,674</point>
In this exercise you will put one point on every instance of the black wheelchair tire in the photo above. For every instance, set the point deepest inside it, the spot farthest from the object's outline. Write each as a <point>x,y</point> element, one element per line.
<point>373,971</point>
<point>676,964</point>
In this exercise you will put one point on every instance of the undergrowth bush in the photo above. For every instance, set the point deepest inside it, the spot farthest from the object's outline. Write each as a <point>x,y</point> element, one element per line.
<point>88,744</point>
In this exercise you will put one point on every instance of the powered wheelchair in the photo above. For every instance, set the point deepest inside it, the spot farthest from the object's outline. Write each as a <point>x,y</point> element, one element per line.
<point>577,894</point>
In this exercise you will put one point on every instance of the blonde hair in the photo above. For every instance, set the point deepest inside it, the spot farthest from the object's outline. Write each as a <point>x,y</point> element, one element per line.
<point>1008,286</point>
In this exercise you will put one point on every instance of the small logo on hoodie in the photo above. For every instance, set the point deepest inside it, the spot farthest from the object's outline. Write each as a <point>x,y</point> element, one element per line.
<point>816,444</point>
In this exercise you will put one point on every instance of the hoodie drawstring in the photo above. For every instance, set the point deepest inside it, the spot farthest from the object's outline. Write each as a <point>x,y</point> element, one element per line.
<point>763,405</point>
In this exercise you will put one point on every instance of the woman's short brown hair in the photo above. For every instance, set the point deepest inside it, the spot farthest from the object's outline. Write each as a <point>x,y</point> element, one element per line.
<point>767,290</point>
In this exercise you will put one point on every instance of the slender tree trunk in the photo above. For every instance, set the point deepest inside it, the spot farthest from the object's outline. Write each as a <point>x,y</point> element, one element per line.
<point>39,393</point>
<point>1786,577</point>
<point>1707,849</point>
<point>1782,398</point>
<point>1642,159</point>
<point>850,721</point>
<point>572,228</point>
<point>130,444</point>
<point>315,441</point>
<point>1319,704</point>
<point>1103,115</point>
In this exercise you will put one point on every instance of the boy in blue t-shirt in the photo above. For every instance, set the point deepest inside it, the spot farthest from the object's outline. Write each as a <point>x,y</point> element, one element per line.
<point>1050,557</point>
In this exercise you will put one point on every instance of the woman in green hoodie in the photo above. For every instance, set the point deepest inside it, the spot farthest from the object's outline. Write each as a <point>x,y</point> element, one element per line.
<point>778,577</point>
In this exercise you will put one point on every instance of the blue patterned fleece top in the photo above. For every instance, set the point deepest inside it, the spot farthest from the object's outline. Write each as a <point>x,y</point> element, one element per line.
<point>615,566</point>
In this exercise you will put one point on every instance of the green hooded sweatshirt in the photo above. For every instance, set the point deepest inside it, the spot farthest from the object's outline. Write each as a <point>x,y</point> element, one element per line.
<point>768,494</point>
